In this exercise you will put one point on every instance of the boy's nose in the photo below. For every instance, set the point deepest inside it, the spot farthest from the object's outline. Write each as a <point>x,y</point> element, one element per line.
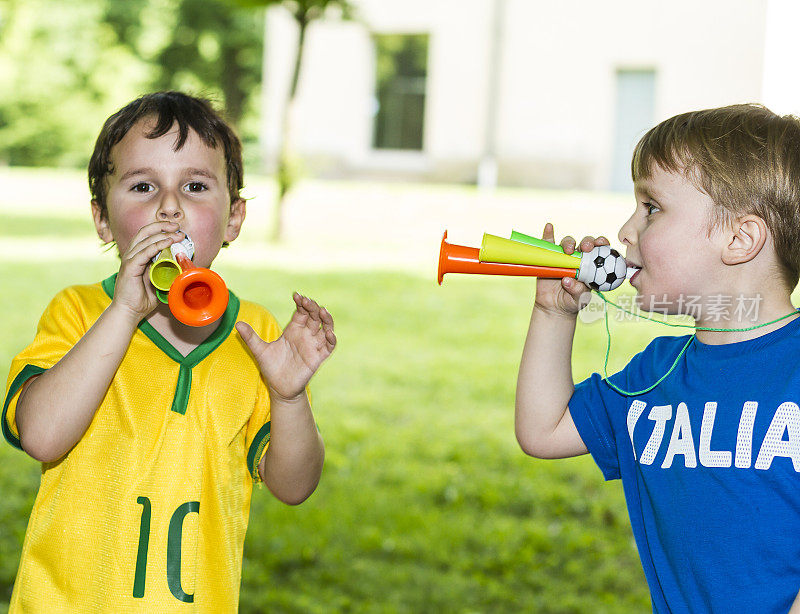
<point>627,234</point>
<point>169,209</point>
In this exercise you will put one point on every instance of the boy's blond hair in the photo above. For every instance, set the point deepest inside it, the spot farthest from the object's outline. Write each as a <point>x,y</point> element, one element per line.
<point>746,158</point>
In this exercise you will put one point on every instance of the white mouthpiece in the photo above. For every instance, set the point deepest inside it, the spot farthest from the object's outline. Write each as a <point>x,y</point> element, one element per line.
<point>185,247</point>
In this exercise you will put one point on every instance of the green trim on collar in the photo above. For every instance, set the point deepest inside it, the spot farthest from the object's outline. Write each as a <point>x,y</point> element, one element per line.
<point>183,388</point>
<point>260,442</point>
<point>27,372</point>
<point>109,283</point>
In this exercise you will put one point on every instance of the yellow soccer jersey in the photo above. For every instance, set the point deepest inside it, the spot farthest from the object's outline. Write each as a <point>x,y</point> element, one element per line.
<point>148,512</point>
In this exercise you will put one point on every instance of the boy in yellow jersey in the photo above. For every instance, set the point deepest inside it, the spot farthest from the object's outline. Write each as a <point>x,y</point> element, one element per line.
<point>151,433</point>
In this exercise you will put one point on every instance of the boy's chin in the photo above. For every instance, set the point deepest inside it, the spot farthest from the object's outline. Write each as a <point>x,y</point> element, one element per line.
<point>658,305</point>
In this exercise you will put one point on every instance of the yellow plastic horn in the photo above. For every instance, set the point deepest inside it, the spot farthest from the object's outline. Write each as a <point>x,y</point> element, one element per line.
<point>499,249</point>
<point>164,270</point>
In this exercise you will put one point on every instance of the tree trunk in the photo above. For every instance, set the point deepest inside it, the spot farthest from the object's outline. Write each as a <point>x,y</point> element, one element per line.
<point>286,171</point>
<point>230,82</point>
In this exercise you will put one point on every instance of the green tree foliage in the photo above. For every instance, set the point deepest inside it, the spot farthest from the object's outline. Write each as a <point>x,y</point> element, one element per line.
<point>66,65</point>
<point>61,68</point>
<point>215,44</point>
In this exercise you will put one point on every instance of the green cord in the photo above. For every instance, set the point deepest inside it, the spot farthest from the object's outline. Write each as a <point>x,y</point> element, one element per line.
<point>682,352</point>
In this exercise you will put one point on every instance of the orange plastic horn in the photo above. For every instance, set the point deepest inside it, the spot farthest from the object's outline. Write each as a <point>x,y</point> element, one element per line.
<point>198,296</point>
<point>462,259</point>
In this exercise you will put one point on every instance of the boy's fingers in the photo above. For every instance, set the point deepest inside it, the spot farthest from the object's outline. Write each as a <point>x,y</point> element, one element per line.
<point>249,336</point>
<point>311,309</point>
<point>245,330</point>
<point>300,301</point>
<point>151,245</point>
<point>153,230</point>
<point>162,226</point>
<point>330,338</point>
<point>326,317</point>
<point>589,243</point>
<point>549,233</point>
<point>310,314</point>
<point>568,245</point>
<point>314,311</point>
<point>300,315</point>
<point>317,319</point>
<point>574,287</point>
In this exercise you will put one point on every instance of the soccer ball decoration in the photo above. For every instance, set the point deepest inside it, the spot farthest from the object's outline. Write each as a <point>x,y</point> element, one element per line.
<point>602,268</point>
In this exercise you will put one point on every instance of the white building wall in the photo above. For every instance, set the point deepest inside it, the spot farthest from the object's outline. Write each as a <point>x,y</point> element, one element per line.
<point>559,95</point>
<point>556,99</point>
<point>334,91</point>
<point>781,55</point>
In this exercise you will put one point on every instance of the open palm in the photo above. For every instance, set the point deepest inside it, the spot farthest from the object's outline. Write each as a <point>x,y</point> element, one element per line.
<point>289,362</point>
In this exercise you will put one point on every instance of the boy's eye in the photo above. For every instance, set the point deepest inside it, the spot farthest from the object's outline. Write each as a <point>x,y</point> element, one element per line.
<point>196,186</point>
<point>142,187</point>
<point>650,208</point>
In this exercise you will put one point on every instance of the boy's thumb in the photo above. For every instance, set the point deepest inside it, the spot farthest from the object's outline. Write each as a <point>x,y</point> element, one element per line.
<point>249,336</point>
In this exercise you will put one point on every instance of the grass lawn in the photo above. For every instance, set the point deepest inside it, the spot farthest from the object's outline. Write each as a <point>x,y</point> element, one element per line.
<point>426,502</point>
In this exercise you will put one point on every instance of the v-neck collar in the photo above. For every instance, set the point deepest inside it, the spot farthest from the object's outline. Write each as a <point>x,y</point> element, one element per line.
<point>227,321</point>
<point>187,363</point>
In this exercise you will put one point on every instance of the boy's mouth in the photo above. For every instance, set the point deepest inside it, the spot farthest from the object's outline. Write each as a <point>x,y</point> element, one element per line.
<point>632,272</point>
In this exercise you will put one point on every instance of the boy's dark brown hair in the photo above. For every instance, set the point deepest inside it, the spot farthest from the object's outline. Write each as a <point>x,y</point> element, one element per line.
<point>167,108</point>
<point>746,158</point>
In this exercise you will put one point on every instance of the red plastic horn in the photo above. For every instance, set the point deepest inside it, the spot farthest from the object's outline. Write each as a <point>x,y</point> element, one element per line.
<point>198,296</point>
<point>462,259</point>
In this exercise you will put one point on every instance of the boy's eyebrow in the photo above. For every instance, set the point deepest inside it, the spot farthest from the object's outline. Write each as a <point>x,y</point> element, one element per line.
<point>149,170</point>
<point>202,172</point>
<point>135,171</point>
<point>645,187</point>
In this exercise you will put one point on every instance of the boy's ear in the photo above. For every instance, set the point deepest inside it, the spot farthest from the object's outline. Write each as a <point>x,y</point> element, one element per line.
<point>101,223</point>
<point>236,219</point>
<point>746,240</point>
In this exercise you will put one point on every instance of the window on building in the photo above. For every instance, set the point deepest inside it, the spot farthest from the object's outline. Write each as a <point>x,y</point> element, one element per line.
<point>402,67</point>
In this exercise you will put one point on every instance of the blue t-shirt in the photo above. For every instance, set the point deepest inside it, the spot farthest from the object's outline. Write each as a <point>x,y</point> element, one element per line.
<point>710,465</point>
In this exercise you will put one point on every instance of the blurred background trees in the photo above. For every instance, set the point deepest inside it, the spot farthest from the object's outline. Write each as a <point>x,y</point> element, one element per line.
<point>65,64</point>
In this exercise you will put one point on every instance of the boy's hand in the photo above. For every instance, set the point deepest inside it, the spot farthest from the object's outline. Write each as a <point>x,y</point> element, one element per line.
<point>289,362</point>
<point>133,289</point>
<point>566,296</point>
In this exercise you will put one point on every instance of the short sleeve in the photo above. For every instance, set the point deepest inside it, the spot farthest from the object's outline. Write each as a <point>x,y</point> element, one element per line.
<point>60,327</point>
<point>257,436</point>
<point>259,442</point>
<point>589,408</point>
<point>257,433</point>
<point>600,412</point>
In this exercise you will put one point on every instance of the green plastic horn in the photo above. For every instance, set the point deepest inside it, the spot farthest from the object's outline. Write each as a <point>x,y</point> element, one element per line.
<point>498,249</point>
<point>523,238</point>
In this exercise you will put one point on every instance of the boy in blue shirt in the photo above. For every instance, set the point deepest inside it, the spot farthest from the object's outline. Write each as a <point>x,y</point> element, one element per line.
<point>709,458</point>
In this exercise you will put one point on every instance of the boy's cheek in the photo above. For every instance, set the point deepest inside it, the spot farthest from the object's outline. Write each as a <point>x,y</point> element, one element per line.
<point>207,233</point>
<point>125,231</point>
